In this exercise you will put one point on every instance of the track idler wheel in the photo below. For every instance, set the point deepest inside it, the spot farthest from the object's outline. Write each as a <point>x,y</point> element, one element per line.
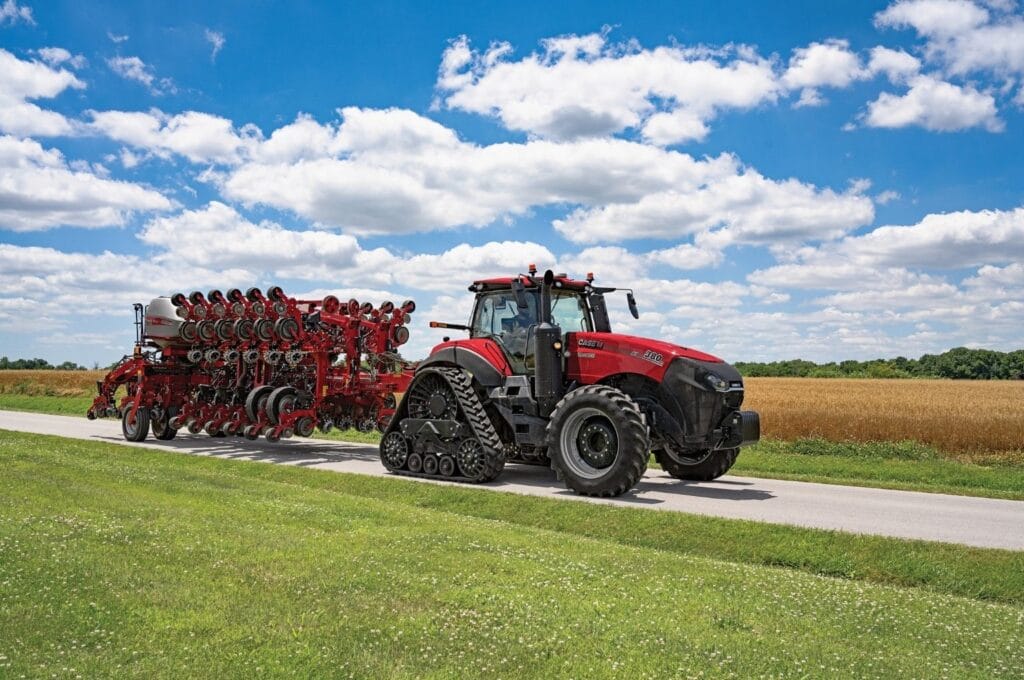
<point>430,465</point>
<point>414,463</point>
<point>446,466</point>
<point>394,451</point>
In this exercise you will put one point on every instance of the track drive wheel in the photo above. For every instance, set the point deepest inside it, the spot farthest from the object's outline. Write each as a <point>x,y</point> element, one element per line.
<point>135,429</point>
<point>598,441</point>
<point>707,465</point>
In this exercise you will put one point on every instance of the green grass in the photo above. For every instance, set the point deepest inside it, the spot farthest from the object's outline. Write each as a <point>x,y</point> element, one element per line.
<point>118,561</point>
<point>899,465</point>
<point>62,406</point>
<point>892,465</point>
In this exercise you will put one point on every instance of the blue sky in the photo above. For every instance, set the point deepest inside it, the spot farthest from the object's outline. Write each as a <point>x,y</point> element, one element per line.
<point>776,181</point>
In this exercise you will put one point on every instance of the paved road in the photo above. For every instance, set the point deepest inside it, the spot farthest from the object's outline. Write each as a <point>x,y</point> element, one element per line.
<point>980,522</point>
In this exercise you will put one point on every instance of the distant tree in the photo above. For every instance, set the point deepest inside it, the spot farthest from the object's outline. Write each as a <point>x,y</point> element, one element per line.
<point>959,363</point>
<point>37,365</point>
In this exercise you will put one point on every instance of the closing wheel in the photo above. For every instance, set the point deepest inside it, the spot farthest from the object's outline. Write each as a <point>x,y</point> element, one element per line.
<point>135,428</point>
<point>282,400</point>
<point>598,441</point>
<point>162,429</point>
<point>255,401</point>
<point>304,426</point>
<point>701,466</point>
<point>394,451</point>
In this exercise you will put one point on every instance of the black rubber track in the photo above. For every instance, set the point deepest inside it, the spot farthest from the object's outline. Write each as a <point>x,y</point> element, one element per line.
<point>712,467</point>
<point>473,414</point>
<point>631,428</point>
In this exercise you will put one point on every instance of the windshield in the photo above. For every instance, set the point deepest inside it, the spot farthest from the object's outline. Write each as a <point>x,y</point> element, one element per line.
<point>569,312</point>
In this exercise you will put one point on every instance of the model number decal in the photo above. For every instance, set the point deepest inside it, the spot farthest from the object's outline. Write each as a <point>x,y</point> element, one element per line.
<point>654,357</point>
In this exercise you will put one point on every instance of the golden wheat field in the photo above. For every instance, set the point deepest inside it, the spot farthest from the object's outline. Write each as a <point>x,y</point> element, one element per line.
<point>50,383</point>
<point>952,415</point>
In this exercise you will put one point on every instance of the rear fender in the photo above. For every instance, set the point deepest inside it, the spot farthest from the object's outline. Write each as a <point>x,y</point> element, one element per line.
<point>487,365</point>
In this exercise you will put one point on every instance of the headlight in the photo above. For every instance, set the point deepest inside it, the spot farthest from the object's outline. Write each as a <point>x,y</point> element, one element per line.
<point>716,383</point>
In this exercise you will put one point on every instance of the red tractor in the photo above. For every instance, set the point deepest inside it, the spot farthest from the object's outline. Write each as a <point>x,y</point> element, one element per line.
<point>543,380</point>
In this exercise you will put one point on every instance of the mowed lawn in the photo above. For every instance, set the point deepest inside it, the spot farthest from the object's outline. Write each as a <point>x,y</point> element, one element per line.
<point>118,561</point>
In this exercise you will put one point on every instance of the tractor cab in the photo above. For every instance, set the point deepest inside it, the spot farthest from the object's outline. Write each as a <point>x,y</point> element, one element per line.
<point>509,312</point>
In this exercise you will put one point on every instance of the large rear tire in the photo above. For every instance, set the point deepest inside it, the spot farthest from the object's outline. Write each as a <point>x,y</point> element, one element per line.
<point>598,441</point>
<point>135,429</point>
<point>712,465</point>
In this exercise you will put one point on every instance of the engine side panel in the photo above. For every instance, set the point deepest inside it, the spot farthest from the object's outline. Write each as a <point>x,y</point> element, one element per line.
<point>595,356</point>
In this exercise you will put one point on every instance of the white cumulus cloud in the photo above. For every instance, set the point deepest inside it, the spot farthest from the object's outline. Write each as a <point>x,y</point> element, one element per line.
<point>22,81</point>
<point>38,190</point>
<point>935,105</point>
<point>581,86</point>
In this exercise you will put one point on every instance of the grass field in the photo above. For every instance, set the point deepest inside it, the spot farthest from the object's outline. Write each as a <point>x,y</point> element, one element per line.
<point>117,561</point>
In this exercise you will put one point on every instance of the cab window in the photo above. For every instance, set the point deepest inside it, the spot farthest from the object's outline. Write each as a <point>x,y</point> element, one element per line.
<point>569,312</point>
<point>498,314</point>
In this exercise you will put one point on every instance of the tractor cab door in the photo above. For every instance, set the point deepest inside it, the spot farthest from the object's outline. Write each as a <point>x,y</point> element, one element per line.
<point>498,316</point>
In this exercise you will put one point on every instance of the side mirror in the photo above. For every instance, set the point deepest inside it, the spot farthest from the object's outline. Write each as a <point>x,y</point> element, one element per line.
<point>520,292</point>
<point>631,301</point>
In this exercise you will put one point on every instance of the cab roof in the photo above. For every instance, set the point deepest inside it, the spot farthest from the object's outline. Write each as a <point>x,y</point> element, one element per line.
<point>503,282</point>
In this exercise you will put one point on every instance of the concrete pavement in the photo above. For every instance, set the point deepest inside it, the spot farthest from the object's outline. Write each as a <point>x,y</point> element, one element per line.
<point>982,522</point>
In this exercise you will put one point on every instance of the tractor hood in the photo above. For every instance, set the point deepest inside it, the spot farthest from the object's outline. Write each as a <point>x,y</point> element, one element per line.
<point>594,356</point>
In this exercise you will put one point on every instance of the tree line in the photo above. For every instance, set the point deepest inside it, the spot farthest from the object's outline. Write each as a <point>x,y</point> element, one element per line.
<point>960,363</point>
<point>37,365</point>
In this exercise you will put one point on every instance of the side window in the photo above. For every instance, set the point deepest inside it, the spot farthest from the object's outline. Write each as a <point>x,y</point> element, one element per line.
<point>499,313</point>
